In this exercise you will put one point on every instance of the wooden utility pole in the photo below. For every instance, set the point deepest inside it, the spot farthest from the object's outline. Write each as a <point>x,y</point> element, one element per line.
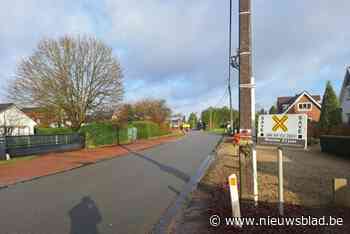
<point>245,67</point>
<point>229,70</point>
<point>245,91</point>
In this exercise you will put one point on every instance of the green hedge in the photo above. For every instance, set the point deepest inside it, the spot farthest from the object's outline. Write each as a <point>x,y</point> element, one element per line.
<point>147,129</point>
<point>338,145</point>
<point>52,131</point>
<point>97,134</point>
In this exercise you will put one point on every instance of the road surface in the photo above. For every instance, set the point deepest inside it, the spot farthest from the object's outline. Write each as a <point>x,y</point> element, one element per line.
<point>122,195</point>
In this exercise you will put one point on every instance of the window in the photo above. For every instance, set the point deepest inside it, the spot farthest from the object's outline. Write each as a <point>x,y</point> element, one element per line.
<point>304,106</point>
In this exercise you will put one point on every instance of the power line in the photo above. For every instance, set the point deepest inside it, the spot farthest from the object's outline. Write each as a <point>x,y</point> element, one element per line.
<point>222,98</point>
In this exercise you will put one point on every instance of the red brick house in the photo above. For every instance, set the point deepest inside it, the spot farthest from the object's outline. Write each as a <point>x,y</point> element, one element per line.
<point>302,103</point>
<point>45,118</point>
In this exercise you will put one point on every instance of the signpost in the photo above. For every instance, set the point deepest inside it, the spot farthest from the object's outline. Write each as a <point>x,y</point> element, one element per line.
<point>282,130</point>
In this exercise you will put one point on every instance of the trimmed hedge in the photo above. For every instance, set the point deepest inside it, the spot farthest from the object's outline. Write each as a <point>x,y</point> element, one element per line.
<point>338,145</point>
<point>97,134</point>
<point>148,129</point>
<point>52,131</point>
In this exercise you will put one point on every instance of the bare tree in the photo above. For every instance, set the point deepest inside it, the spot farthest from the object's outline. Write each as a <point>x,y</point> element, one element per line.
<point>75,75</point>
<point>152,109</point>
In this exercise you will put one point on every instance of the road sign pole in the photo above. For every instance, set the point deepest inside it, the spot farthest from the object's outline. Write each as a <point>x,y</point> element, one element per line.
<point>280,180</point>
<point>305,147</point>
<point>255,175</point>
<point>254,138</point>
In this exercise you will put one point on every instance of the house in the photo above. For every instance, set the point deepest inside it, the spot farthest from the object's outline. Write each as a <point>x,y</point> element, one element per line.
<point>41,117</point>
<point>302,103</point>
<point>46,118</point>
<point>176,121</point>
<point>345,97</point>
<point>13,122</point>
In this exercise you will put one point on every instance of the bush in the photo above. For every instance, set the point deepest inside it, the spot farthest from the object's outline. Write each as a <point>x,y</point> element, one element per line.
<point>98,134</point>
<point>52,131</point>
<point>147,129</point>
<point>338,145</point>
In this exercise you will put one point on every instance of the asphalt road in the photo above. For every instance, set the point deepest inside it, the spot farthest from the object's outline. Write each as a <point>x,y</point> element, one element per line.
<point>123,195</point>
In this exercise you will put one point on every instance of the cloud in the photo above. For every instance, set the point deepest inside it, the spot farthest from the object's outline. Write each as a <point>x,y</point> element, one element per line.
<point>295,41</point>
<point>177,50</point>
<point>24,23</point>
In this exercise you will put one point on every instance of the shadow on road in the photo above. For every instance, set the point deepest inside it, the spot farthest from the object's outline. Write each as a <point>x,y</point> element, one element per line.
<point>170,170</point>
<point>85,217</point>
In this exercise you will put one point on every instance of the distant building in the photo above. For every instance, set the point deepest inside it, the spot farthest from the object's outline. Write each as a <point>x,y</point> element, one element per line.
<point>176,121</point>
<point>13,122</point>
<point>345,97</point>
<point>302,103</point>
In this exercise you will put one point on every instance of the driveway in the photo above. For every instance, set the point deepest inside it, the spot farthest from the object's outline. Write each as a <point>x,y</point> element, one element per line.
<point>122,195</point>
<point>308,175</point>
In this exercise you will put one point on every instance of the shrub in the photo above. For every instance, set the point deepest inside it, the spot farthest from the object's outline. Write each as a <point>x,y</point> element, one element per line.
<point>147,129</point>
<point>98,134</point>
<point>52,131</point>
<point>338,145</point>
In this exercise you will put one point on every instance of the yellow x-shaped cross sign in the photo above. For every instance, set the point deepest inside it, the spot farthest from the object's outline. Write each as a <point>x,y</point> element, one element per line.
<point>279,123</point>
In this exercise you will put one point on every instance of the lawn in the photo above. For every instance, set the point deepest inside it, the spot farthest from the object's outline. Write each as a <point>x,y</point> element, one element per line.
<point>217,130</point>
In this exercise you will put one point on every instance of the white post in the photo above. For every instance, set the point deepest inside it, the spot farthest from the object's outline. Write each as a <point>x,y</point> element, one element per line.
<point>255,176</point>
<point>236,212</point>
<point>254,159</point>
<point>8,156</point>
<point>280,180</point>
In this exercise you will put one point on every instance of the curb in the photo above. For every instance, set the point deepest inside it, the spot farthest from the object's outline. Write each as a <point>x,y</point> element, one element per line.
<point>171,212</point>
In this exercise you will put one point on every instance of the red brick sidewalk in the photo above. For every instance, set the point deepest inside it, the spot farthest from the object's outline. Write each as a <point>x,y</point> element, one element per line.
<point>59,162</point>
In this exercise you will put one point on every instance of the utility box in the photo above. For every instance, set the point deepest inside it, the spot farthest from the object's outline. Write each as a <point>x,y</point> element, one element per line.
<point>132,134</point>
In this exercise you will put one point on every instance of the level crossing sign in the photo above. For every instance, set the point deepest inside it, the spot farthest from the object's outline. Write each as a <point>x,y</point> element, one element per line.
<point>283,130</point>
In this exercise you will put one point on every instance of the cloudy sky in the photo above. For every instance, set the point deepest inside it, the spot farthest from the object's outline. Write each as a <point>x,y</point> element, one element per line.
<point>178,49</point>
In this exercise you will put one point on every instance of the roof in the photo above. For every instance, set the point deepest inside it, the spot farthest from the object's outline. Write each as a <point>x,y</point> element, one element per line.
<point>32,109</point>
<point>346,83</point>
<point>284,100</point>
<point>291,100</point>
<point>5,106</point>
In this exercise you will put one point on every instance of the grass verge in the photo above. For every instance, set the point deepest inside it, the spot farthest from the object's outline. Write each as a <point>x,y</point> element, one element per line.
<point>217,130</point>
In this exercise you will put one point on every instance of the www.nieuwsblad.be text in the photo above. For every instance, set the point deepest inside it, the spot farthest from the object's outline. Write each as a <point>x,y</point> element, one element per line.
<point>216,221</point>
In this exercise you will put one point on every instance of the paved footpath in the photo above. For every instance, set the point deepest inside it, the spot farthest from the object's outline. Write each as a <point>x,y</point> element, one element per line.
<point>122,195</point>
<point>52,163</point>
